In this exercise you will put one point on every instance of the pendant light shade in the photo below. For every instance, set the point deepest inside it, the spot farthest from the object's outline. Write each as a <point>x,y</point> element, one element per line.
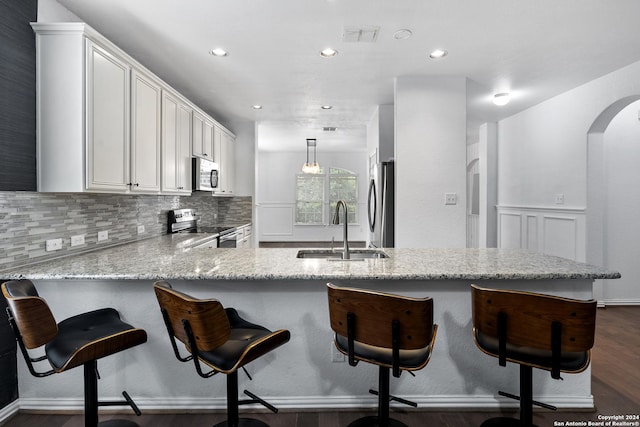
<point>311,167</point>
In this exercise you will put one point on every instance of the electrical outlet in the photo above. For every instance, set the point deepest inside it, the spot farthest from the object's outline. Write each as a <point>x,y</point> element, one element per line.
<point>103,235</point>
<point>77,240</point>
<point>559,199</point>
<point>53,245</point>
<point>336,356</point>
<point>450,198</point>
<point>140,229</point>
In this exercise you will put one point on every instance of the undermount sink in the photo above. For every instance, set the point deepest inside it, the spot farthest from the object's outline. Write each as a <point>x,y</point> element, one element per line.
<point>336,255</point>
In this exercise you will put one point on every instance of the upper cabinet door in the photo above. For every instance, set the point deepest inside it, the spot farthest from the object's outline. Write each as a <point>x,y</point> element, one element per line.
<point>146,97</point>
<point>184,148</point>
<point>225,157</point>
<point>176,145</point>
<point>107,123</point>
<point>228,158</point>
<point>202,136</point>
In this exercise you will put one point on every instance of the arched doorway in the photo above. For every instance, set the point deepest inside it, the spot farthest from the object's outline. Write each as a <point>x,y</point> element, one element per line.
<point>601,203</point>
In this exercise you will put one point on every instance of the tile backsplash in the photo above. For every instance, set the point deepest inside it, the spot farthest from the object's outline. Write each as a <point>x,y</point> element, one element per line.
<point>29,219</point>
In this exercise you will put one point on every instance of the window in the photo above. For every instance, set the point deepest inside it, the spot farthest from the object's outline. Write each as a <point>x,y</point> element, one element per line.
<point>310,198</point>
<point>317,195</point>
<point>343,185</point>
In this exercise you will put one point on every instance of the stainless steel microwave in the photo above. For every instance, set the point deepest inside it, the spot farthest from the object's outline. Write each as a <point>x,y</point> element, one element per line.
<point>204,174</point>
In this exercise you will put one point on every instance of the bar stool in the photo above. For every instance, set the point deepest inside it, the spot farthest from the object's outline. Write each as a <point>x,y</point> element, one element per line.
<point>394,332</point>
<point>534,331</point>
<point>78,340</point>
<point>219,338</point>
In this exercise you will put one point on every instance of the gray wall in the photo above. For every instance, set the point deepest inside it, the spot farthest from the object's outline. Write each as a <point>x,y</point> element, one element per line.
<point>17,95</point>
<point>17,142</point>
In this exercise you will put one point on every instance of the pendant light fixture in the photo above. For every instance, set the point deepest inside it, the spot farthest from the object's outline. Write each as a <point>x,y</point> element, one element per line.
<point>311,167</point>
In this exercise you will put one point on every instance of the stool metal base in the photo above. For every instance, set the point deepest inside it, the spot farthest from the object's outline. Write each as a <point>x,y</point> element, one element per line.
<point>503,422</point>
<point>243,422</point>
<point>117,423</point>
<point>373,421</point>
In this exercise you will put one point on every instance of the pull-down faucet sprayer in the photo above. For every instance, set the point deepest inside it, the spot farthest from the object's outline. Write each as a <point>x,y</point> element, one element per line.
<point>336,221</point>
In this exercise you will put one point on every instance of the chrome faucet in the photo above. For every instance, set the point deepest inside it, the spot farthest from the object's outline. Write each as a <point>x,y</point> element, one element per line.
<point>336,221</point>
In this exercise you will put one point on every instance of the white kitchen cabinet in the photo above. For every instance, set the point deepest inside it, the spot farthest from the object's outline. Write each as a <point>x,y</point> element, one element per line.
<point>176,144</point>
<point>224,153</point>
<point>146,98</point>
<point>100,124</point>
<point>202,141</point>
<point>107,119</point>
<point>244,237</point>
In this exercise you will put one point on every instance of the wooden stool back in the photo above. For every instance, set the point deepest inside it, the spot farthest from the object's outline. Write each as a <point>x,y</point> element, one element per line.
<point>375,312</point>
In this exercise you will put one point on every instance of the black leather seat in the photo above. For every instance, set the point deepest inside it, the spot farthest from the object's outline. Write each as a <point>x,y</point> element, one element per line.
<point>534,331</point>
<point>394,332</point>
<point>78,340</point>
<point>219,338</point>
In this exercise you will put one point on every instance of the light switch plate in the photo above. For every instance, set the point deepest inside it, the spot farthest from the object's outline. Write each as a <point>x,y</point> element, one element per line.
<point>450,199</point>
<point>103,235</point>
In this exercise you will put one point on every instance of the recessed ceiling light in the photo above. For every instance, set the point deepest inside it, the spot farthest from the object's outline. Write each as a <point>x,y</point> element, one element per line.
<point>218,52</point>
<point>438,53</point>
<point>256,107</point>
<point>501,98</point>
<point>328,52</point>
<point>326,107</point>
<point>402,34</point>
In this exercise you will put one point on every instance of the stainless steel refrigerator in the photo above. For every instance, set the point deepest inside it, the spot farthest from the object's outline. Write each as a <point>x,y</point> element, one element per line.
<point>380,205</point>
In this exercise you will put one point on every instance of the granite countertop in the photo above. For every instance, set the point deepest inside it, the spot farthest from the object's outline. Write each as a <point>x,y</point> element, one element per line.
<point>169,257</point>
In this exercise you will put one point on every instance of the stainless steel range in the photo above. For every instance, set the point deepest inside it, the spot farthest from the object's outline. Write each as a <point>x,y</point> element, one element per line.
<point>186,221</point>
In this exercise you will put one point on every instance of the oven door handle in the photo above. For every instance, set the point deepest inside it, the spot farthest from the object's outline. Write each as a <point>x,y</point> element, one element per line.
<point>229,236</point>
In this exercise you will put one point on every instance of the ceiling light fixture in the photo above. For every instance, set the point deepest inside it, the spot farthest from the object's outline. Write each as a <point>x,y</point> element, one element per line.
<point>313,167</point>
<point>501,98</point>
<point>402,34</point>
<point>326,107</point>
<point>438,53</point>
<point>218,52</point>
<point>256,107</point>
<point>328,53</point>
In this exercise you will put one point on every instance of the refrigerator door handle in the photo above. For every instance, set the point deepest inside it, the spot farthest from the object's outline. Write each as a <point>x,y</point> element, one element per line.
<point>372,195</point>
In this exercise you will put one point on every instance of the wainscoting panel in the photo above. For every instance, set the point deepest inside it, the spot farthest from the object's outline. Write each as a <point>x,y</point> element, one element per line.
<point>552,231</point>
<point>510,230</point>
<point>560,236</point>
<point>532,232</point>
<point>276,219</point>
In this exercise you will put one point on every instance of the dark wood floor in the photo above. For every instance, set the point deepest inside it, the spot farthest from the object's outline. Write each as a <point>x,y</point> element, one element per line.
<point>615,385</point>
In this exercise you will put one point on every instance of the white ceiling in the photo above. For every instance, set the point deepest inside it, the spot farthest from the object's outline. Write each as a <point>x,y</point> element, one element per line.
<point>533,49</point>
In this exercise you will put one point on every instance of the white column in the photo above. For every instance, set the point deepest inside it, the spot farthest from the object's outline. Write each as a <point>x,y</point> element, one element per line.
<point>430,149</point>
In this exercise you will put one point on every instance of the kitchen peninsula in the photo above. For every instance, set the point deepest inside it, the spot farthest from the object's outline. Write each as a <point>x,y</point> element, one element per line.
<point>278,290</point>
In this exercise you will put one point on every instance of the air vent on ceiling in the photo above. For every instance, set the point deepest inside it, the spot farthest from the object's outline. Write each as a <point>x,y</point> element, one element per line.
<point>329,128</point>
<point>355,34</point>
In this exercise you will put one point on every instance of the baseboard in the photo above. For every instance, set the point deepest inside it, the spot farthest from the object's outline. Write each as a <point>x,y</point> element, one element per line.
<point>9,411</point>
<point>319,403</point>
<point>610,302</point>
